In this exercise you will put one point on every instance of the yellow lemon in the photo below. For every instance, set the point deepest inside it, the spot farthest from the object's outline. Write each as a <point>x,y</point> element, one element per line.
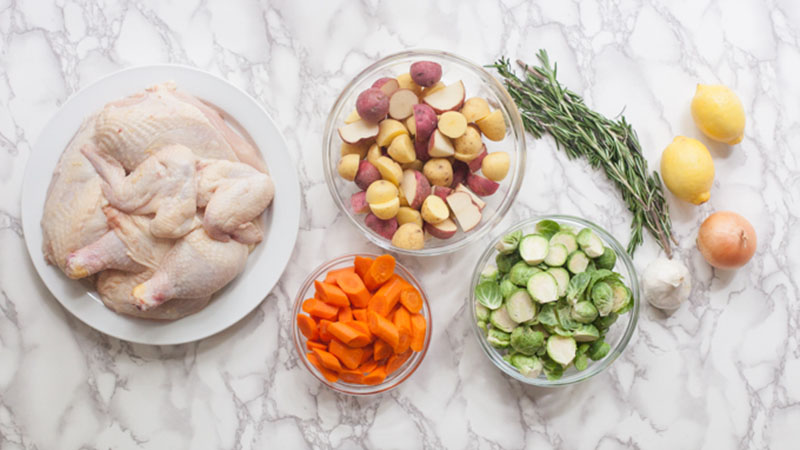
<point>688,170</point>
<point>718,113</point>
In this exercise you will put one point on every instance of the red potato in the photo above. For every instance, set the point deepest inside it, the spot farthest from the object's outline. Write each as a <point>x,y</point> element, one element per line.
<point>426,73</point>
<point>475,199</point>
<point>415,188</point>
<point>358,131</point>
<point>460,172</point>
<point>449,98</point>
<point>385,228</point>
<point>358,203</point>
<point>372,105</point>
<point>440,146</point>
<point>367,174</point>
<point>441,191</point>
<point>421,149</point>
<point>467,214</point>
<point>425,122</point>
<point>442,230</point>
<point>481,186</point>
<point>387,85</point>
<point>401,104</point>
<point>475,164</point>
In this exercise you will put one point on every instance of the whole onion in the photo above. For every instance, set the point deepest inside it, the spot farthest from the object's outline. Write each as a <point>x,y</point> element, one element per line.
<point>726,240</point>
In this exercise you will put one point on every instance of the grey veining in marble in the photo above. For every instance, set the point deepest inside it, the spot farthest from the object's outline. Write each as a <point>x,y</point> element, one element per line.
<point>723,372</point>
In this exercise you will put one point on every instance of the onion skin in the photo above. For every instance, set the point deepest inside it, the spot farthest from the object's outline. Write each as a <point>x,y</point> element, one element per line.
<point>726,240</point>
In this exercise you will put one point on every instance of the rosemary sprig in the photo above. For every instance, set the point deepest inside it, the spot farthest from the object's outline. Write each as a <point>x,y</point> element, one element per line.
<point>547,106</point>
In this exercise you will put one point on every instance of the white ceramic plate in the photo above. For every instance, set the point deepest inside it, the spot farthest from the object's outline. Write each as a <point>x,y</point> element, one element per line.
<point>264,266</point>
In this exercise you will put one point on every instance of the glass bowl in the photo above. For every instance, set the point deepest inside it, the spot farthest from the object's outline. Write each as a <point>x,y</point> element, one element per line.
<point>395,378</point>
<point>478,83</point>
<point>619,334</point>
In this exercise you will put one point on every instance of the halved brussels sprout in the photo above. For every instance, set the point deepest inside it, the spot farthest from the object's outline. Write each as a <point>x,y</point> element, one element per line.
<point>603,298</point>
<point>584,312</point>
<point>561,349</point>
<point>528,366</point>
<point>498,339</point>
<point>526,341</point>
<point>509,243</point>
<point>521,272</point>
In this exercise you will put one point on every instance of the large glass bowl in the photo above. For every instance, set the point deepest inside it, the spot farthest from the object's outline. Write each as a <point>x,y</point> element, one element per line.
<point>391,381</point>
<point>478,83</point>
<point>618,335</point>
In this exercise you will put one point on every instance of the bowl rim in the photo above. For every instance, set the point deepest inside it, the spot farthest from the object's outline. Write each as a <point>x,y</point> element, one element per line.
<point>518,143</point>
<point>402,374</point>
<point>596,367</point>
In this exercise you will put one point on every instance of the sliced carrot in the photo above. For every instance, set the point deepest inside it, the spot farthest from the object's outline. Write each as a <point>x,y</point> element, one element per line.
<point>307,326</point>
<point>333,275</point>
<point>361,265</point>
<point>411,300</point>
<point>379,271</point>
<point>317,295</point>
<point>352,285</point>
<point>329,375</point>
<point>320,309</point>
<point>382,350</point>
<point>328,360</point>
<point>402,320</point>
<point>348,335</point>
<point>331,294</point>
<point>367,355</point>
<point>349,357</point>
<point>324,334</point>
<point>362,327</point>
<point>345,314</point>
<point>367,366</point>
<point>385,298</point>
<point>360,314</point>
<point>418,329</point>
<point>382,328</point>
<point>397,360</point>
<point>307,304</point>
<point>352,376</point>
<point>376,376</point>
<point>311,345</point>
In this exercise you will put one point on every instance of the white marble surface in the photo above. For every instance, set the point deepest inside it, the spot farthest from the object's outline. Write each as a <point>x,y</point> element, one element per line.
<point>722,372</point>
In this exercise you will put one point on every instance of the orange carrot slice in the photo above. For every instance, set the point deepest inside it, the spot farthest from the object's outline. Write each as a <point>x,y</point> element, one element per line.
<point>354,288</point>
<point>385,298</point>
<point>345,314</point>
<point>324,334</point>
<point>333,275</point>
<point>352,376</point>
<point>328,360</point>
<point>397,360</point>
<point>376,376</point>
<point>331,294</point>
<point>360,314</point>
<point>348,335</point>
<point>402,320</point>
<point>418,329</point>
<point>329,375</point>
<point>411,300</point>
<point>362,327</point>
<point>349,357</point>
<point>383,328</point>
<point>382,350</point>
<point>311,345</point>
<point>379,271</point>
<point>318,308</point>
<point>362,265</point>
<point>367,366</point>
<point>307,326</point>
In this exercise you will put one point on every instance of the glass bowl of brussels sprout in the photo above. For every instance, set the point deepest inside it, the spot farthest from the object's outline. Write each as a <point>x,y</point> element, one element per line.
<point>554,300</point>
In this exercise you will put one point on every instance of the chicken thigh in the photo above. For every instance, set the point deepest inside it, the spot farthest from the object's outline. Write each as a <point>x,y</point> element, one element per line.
<point>116,292</point>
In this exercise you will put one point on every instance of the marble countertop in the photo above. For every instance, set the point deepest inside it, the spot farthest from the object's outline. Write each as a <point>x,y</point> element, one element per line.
<point>721,372</point>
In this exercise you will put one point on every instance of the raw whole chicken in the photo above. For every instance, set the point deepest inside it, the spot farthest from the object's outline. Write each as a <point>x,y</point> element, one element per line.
<point>156,199</point>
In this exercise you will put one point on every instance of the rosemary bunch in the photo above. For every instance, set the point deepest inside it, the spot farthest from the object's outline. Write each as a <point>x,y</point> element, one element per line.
<point>548,107</point>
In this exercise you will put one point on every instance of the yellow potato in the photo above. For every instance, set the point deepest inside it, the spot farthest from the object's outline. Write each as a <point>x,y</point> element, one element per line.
<point>495,165</point>
<point>413,165</point>
<point>389,129</point>
<point>374,153</point>
<point>430,90</point>
<point>411,125</point>
<point>402,197</point>
<point>406,82</point>
<point>389,170</point>
<point>452,124</point>
<point>438,171</point>
<point>402,149</point>
<point>359,149</point>
<point>408,215</point>
<point>353,117</point>
<point>434,210</point>
<point>409,236</point>
<point>475,108</point>
<point>348,167</point>
<point>469,145</point>
<point>385,210</point>
<point>493,126</point>
<point>381,191</point>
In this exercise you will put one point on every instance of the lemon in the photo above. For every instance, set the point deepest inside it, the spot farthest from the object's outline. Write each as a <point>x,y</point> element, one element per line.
<point>688,170</point>
<point>718,113</point>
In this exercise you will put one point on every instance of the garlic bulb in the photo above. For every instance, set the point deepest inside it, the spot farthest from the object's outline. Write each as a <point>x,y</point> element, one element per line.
<point>666,283</point>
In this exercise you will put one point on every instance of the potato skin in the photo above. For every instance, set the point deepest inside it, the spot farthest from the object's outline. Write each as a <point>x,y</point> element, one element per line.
<point>495,166</point>
<point>426,73</point>
<point>372,105</point>
<point>409,236</point>
<point>425,122</point>
<point>348,167</point>
<point>469,145</point>
<point>439,172</point>
<point>366,175</point>
<point>385,228</point>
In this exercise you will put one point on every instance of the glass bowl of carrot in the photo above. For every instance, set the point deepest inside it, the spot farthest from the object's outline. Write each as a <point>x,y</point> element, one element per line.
<point>362,324</point>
